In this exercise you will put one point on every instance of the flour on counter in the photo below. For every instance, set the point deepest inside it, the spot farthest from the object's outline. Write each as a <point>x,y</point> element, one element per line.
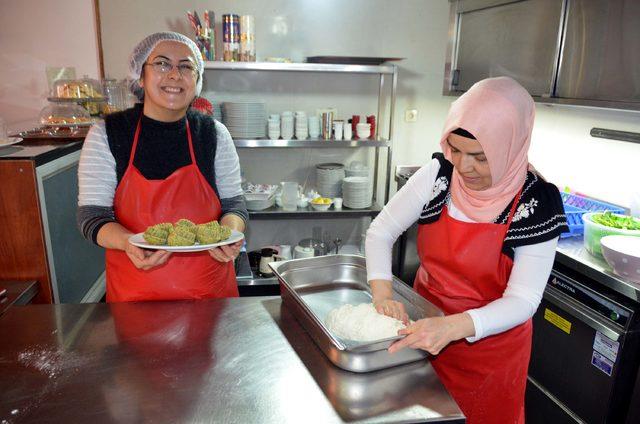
<point>50,362</point>
<point>362,323</point>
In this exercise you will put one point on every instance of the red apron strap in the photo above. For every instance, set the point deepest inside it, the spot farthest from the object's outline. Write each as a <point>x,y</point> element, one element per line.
<point>135,141</point>
<point>513,208</point>
<point>193,156</point>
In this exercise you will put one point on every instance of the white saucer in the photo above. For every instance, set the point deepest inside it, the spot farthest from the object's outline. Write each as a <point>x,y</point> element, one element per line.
<point>9,141</point>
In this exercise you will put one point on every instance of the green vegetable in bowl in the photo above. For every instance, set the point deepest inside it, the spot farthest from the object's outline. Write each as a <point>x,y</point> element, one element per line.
<point>609,219</point>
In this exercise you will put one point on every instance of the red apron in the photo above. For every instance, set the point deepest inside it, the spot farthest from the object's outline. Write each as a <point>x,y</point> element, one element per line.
<point>463,267</point>
<point>139,203</point>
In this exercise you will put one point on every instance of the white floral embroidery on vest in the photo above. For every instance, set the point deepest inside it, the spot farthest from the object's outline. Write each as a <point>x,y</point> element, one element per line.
<point>525,210</point>
<point>439,186</point>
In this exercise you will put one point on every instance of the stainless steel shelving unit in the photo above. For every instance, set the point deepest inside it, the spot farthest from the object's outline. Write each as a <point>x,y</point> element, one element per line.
<point>379,142</point>
<point>309,212</point>
<point>310,143</point>
<point>300,67</point>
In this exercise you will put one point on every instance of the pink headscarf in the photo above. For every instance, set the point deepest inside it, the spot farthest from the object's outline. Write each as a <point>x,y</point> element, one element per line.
<point>499,113</point>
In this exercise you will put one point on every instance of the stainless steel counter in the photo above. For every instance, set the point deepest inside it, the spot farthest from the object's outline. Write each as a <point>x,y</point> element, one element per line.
<point>571,253</point>
<point>40,151</point>
<point>243,360</point>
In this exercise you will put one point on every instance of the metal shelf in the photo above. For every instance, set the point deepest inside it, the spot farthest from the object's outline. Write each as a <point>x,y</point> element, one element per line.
<point>309,143</point>
<point>382,71</point>
<point>308,212</point>
<point>299,67</point>
<point>257,281</point>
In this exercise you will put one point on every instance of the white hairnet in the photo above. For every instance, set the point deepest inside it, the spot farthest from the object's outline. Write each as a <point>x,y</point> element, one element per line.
<point>144,48</point>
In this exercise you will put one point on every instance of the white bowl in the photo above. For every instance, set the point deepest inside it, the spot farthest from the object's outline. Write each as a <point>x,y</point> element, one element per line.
<point>320,206</point>
<point>622,253</point>
<point>363,134</point>
<point>303,202</point>
<point>259,201</point>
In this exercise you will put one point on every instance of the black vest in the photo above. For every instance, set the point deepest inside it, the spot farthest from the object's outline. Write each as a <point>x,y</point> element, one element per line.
<point>162,146</point>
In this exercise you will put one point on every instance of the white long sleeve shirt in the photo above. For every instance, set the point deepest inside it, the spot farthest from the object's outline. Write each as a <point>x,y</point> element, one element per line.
<point>531,264</point>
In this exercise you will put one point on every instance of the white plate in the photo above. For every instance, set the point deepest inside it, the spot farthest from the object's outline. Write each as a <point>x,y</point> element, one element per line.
<point>138,240</point>
<point>10,141</point>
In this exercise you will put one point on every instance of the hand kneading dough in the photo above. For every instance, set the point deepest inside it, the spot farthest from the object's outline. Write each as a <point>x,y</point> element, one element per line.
<point>362,323</point>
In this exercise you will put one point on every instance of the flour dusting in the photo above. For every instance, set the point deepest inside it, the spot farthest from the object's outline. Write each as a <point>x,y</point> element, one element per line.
<point>49,362</point>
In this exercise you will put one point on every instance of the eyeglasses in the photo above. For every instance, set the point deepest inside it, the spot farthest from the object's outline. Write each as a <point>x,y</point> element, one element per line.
<point>164,67</point>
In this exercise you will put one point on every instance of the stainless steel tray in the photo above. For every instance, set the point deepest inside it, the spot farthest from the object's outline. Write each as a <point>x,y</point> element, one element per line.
<point>312,287</point>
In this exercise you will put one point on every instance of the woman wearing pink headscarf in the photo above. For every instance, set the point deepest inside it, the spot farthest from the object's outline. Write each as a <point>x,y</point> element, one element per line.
<point>488,229</point>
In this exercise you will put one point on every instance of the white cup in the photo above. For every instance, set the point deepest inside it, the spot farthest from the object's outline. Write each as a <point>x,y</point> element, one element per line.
<point>314,126</point>
<point>337,129</point>
<point>274,134</point>
<point>286,127</point>
<point>337,203</point>
<point>363,131</point>
<point>285,251</point>
<point>286,133</point>
<point>347,132</point>
<point>303,252</point>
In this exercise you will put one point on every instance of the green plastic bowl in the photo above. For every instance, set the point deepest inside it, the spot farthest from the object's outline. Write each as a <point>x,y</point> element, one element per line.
<point>593,232</point>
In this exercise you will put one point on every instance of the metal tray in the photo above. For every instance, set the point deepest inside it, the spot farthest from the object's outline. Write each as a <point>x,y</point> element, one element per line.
<point>312,287</point>
<point>51,133</point>
<point>351,60</point>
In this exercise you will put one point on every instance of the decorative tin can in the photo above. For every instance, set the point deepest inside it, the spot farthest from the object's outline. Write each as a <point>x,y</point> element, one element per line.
<point>327,125</point>
<point>231,37</point>
<point>247,39</point>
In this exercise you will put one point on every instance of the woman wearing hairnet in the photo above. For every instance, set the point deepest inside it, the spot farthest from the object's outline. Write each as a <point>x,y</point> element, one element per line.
<point>488,229</point>
<point>159,162</point>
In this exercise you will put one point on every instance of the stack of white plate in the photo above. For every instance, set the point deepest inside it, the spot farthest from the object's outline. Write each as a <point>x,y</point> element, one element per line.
<point>357,172</point>
<point>329,178</point>
<point>357,192</point>
<point>245,119</point>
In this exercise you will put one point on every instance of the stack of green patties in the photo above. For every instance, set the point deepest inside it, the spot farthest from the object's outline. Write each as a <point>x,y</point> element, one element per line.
<point>183,234</point>
<point>158,234</point>
<point>186,233</point>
